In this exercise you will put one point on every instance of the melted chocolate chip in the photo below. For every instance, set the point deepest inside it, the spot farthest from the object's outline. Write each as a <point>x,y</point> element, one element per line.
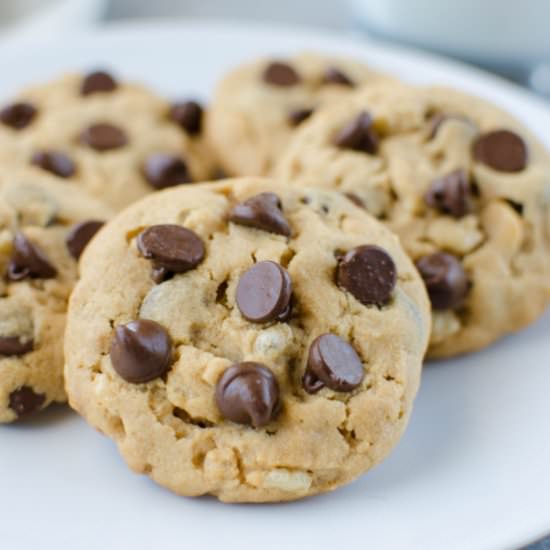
<point>98,81</point>
<point>163,170</point>
<point>445,279</point>
<point>171,248</point>
<point>281,74</point>
<point>104,137</point>
<point>13,345</point>
<point>332,362</point>
<point>188,115</point>
<point>25,401</point>
<point>248,393</point>
<point>369,273</point>
<point>18,115</point>
<point>334,75</point>
<point>358,135</point>
<point>264,293</point>
<point>28,260</point>
<point>263,212</point>
<point>450,194</point>
<point>55,162</point>
<point>141,351</point>
<point>80,235</point>
<point>501,150</point>
<point>295,118</point>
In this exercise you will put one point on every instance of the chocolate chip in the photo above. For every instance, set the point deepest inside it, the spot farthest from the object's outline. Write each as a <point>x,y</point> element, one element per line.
<point>13,345</point>
<point>141,351</point>
<point>163,170</point>
<point>104,137</point>
<point>264,292</point>
<point>25,401</point>
<point>332,362</point>
<point>98,81</point>
<point>248,393</point>
<point>450,194</point>
<point>18,115</point>
<point>263,212</point>
<point>80,235</point>
<point>295,118</point>
<point>501,150</point>
<point>445,279</point>
<point>28,260</point>
<point>334,75</point>
<point>171,248</point>
<point>188,115</point>
<point>311,383</point>
<point>358,135</point>
<point>55,162</point>
<point>369,273</point>
<point>281,74</point>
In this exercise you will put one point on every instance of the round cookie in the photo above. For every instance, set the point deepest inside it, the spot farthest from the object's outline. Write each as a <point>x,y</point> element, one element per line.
<point>252,346</point>
<point>44,226</point>
<point>257,107</point>
<point>464,185</point>
<point>117,141</point>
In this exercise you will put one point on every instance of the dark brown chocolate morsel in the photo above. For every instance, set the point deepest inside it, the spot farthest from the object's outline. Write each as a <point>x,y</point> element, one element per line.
<point>248,393</point>
<point>171,248</point>
<point>104,137</point>
<point>165,170</point>
<point>333,75</point>
<point>358,135</point>
<point>13,346</point>
<point>333,363</point>
<point>501,150</point>
<point>25,401</point>
<point>55,162</point>
<point>450,194</point>
<point>141,351</point>
<point>189,116</point>
<point>18,115</point>
<point>296,117</point>
<point>28,260</point>
<point>264,293</point>
<point>445,279</point>
<point>369,273</point>
<point>263,211</point>
<point>281,74</point>
<point>80,235</point>
<point>98,81</point>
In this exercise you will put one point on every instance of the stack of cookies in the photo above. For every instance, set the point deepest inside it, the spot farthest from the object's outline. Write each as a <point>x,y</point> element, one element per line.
<point>259,338</point>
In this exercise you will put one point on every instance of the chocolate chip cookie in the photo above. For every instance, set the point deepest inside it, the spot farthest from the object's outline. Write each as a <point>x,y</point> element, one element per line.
<point>253,346</point>
<point>44,227</point>
<point>258,106</point>
<point>464,185</point>
<point>118,141</point>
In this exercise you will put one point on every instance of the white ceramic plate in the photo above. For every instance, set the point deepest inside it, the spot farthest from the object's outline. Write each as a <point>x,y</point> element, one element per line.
<point>472,472</point>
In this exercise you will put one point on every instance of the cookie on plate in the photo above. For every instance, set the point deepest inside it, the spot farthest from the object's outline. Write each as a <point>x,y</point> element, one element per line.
<point>116,140</point>
<point>464,185</point>
<point>253,346</point>
<point>258,106</point>
<point>44,226</point>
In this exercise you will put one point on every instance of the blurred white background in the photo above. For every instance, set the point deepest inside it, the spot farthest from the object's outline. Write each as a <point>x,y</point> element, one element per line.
<point>508,36</point>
